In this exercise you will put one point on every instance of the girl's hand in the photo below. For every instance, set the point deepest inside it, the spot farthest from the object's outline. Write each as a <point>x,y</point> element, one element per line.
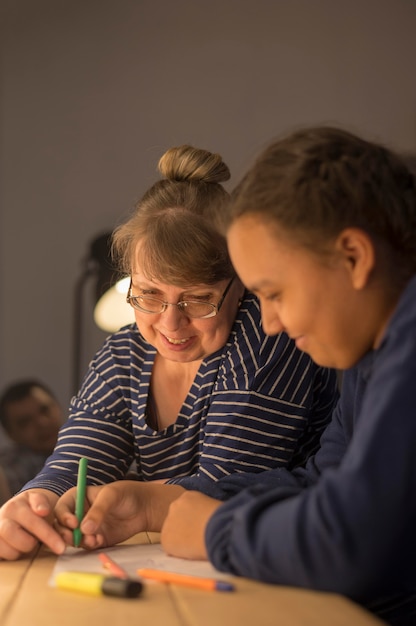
<point>183,533</point>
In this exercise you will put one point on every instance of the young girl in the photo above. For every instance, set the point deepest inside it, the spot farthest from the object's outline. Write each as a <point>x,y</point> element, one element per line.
<point>323,230</point>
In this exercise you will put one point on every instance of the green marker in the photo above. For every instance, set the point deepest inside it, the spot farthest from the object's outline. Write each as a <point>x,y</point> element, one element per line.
<point>80,501</point>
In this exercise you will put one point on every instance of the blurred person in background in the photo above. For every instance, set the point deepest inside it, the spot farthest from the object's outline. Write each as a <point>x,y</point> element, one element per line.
<point>31,417</point>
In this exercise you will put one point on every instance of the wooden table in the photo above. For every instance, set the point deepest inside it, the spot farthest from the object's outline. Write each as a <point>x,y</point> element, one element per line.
<point>26,599</point>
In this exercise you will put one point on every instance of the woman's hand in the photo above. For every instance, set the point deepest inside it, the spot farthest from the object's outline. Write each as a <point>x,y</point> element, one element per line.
<point>26,520</point>
<point>115,512</point>
<point>183,533</point>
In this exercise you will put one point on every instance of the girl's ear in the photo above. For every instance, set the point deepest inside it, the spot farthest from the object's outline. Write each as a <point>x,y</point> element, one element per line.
<point>357,250</point>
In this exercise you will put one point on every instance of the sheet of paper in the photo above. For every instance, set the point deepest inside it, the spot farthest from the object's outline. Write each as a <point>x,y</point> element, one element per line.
<point>131,558</point>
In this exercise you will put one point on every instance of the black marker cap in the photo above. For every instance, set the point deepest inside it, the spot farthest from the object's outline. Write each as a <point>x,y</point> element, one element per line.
<point>121,587</point>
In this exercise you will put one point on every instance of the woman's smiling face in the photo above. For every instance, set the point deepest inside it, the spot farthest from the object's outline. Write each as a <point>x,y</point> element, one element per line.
<point>176,336</point>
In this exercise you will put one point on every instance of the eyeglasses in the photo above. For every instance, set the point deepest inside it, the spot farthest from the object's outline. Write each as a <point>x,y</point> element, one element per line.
<point>190,308</point>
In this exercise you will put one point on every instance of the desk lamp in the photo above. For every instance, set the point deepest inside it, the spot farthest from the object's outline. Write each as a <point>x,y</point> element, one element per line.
<point>111,310</point>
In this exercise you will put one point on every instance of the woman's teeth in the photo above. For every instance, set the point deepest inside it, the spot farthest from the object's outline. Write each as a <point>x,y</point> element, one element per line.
<point>176,341</point>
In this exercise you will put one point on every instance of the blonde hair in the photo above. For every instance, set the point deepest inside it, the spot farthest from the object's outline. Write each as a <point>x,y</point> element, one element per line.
<point>176,222</point>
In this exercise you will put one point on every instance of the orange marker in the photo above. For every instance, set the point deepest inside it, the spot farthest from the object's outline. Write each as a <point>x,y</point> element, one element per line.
<point>112,566</point>
<point>209,584</point>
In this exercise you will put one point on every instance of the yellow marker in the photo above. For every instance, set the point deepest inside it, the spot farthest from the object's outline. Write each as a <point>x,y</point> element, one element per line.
<point>98,585</point>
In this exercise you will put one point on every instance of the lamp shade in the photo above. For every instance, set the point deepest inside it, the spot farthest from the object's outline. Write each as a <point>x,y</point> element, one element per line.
<point>111,310</point>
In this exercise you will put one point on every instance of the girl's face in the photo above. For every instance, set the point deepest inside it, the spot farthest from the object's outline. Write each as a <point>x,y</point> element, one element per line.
<point>314,301</point>
<point>174,335</point>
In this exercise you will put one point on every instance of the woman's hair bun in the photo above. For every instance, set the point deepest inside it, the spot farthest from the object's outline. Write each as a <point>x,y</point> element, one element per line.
<point>185,163</point>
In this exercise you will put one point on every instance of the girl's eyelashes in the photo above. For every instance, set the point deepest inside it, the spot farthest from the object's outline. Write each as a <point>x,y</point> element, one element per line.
<point>272,297</point>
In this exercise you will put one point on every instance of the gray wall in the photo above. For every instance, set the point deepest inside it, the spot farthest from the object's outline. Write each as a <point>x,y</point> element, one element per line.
<point>94,91</point>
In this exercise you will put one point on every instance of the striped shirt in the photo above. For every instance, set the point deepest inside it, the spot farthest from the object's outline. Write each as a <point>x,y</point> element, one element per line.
<point>255,404</point>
